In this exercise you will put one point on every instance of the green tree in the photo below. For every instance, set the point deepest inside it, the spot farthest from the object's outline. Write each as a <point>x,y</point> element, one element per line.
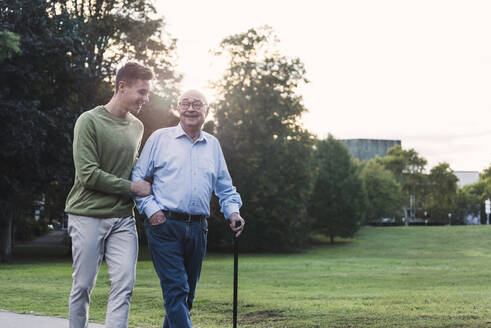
<point>338,201</point>
<point>408,168</point>
<point>442,193</point>
<point>37,88</point>
<point>384,193</point>
<point>115,31</point>
<point>467,203</point>
<point>486,173</point>
<point>485,181</point>
<point>481,190</point>
<point>68,50</point>
<point>268,152</point>
<point>9,45</point>
<point>156,114</point>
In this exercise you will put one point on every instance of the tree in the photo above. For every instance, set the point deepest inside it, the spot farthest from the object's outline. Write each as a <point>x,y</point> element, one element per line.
<point>442,193</point>
<point>38,86</point>
<point>485,181</point>
<point>384,193</point>
<point>338,199</point>
<point>119,30</point>
<point>267,151</point>
<point>408,168</point>
<point>486,173</point>
<point>477,193</point>
<point>156,114</point>
<point>68,49</point>
<point>467,203</point>
<point>9,45</point>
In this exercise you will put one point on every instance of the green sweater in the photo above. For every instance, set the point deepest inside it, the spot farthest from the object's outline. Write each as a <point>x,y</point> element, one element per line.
<point>105,148</point>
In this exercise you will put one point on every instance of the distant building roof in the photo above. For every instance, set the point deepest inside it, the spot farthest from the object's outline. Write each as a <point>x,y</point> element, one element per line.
<point>466,177</point>
<point>366,149</point>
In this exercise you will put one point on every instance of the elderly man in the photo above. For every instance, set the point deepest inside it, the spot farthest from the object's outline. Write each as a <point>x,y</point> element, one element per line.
<point>186,165</point>
<point>100,220</point>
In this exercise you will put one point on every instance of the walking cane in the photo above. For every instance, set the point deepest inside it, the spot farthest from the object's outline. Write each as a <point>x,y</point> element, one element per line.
<point>236,269</point>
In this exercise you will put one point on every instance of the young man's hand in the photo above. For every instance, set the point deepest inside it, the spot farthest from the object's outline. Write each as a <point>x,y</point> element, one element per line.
<point>141,188</point>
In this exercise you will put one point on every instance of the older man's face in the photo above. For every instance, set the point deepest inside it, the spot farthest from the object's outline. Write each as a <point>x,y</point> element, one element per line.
<point>192,112</point>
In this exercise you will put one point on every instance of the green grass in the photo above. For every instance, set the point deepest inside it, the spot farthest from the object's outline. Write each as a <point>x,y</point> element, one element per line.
<point>385,277</point>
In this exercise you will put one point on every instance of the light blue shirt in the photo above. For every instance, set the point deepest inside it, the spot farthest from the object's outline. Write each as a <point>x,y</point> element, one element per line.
<point>185,173</point>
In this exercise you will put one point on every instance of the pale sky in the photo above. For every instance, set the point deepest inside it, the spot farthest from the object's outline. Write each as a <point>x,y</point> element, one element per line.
<point>417,71</point>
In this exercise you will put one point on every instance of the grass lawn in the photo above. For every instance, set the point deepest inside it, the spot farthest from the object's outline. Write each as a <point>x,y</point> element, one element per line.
<point>385,277</point>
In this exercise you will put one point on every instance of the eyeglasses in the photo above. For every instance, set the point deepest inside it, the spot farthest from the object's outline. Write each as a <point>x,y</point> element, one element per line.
<point>197,105</point>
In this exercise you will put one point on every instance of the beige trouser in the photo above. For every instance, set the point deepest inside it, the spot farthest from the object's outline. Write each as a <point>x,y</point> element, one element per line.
<point>115,239</point>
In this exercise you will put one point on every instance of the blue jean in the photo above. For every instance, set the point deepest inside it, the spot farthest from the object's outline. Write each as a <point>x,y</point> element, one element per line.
<point>177,250</point>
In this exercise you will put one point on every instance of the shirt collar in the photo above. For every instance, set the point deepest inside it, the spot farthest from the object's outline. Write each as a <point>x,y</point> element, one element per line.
<point>179,132</point>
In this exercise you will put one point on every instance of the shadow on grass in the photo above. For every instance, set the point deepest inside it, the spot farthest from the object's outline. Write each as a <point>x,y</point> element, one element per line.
<point>323,240</point>
<point>249,314</point>
<point>261,317</point>
<point>28,255</point>
<point>24,255</point>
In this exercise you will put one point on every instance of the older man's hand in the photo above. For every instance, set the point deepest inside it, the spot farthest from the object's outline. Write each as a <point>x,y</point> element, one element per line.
<point>157,218</point>
<point>234,218</point>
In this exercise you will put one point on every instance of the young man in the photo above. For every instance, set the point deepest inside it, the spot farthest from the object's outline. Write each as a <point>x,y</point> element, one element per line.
<point>186,165</point>
<point>100,209</point>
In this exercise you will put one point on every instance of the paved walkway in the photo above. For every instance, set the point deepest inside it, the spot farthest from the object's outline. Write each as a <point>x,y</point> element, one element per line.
<point>14,320</point>
<point>52,239</point>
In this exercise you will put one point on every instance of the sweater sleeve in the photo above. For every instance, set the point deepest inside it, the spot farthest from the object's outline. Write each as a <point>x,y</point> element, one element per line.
<point>87,161</point>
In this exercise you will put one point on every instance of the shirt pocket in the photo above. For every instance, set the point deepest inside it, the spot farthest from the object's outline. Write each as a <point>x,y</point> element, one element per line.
<point>207,167</point>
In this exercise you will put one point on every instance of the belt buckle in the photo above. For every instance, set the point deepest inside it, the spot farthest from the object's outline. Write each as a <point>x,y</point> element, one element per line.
<point>188,219</point>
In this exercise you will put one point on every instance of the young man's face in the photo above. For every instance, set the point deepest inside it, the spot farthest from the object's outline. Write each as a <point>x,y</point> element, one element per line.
<point>134,95</point>
<point>192,112</point>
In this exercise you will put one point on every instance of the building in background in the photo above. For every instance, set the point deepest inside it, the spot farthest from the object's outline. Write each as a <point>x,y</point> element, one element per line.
<point>466,177</point>
<point>366,149</point>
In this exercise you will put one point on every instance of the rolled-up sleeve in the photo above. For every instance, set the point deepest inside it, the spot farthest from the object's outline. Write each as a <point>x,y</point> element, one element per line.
<point>144,169</point>
<point>229,198</point>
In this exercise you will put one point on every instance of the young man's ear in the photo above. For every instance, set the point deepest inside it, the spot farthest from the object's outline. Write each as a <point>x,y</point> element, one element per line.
<point>121,86</point>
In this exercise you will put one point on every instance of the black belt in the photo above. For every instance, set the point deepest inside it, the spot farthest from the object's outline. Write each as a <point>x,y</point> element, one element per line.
<point>184,217</point>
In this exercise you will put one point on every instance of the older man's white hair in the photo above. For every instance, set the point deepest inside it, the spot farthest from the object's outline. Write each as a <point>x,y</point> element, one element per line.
<point>195,94</point>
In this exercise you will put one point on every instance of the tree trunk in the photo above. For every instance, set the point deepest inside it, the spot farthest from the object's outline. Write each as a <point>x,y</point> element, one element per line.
<point>332,239</point>
<point>6,227</point>
<point>406,217</point>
